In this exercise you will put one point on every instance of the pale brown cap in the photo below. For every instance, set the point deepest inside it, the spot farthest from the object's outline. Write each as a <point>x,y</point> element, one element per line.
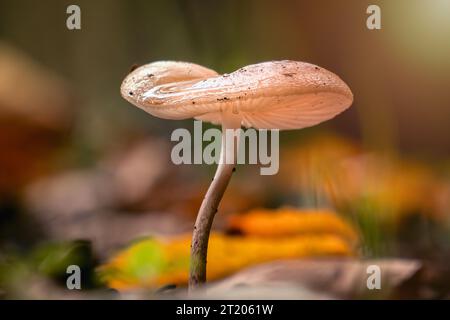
<point>269,95</point>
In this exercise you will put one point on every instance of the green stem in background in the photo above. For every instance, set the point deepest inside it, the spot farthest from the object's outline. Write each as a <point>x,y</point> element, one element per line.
<point>208,208</point>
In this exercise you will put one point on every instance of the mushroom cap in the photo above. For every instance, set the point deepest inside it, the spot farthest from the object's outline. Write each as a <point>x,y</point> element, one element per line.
<point>269,95</point>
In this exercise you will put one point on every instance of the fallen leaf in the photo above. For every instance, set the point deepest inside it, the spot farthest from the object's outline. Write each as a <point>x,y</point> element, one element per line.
<point>341,278</point>
<point>290,221</point>
<point>153,263</point>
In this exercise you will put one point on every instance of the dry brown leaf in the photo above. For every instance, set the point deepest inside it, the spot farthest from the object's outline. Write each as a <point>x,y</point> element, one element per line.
<point>342,278</point>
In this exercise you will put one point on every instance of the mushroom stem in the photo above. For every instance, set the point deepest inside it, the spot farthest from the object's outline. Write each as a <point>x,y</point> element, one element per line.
<point>228,159</point>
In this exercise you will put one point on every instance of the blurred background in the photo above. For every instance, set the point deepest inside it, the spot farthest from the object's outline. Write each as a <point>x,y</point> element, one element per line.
<point>83,173</point>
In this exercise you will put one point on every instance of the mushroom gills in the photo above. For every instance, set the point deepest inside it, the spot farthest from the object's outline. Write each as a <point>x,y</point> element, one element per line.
<point>290,112</point>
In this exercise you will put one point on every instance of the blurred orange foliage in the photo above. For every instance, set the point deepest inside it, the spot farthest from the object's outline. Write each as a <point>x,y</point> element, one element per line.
<point>330,170</point>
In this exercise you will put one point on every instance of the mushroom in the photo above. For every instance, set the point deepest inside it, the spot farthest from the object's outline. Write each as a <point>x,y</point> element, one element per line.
<point>269,95</point>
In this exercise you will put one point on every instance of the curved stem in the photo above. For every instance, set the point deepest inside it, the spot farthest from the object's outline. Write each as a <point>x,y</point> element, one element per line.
<point>208,208</point>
